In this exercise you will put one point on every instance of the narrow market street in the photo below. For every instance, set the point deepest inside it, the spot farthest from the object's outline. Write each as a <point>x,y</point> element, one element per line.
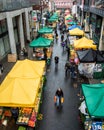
<point>67,117</point>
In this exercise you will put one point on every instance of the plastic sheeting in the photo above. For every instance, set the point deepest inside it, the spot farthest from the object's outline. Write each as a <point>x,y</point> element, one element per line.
<point>86,69</point>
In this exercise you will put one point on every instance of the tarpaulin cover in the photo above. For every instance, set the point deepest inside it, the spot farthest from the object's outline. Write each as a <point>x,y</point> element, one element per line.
<point>21,85</point>
<point>27,69</point>
<point>41,42</point>
<point>19,92</point>
<point>84,43</point>
<point>76,32</point>
<point>72,23</point>
<point>87,56</point>
<point>74,26</point>
<point>94,97</point>
<point>45,30</point>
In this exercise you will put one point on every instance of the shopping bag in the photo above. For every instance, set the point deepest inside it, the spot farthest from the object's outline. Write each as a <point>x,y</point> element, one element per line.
<point>62,100</point>
<point>54,99</point>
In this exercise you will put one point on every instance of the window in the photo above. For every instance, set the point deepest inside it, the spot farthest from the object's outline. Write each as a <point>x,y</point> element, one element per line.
<point>2,51</point>
<point>6,43</point>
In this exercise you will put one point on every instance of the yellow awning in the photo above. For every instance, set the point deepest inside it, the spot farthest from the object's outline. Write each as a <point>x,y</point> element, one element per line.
<point>76,32</point>
<point>84,43</point>
<point>19,92</point>
<point>21,85</point>
<point>28,69</point>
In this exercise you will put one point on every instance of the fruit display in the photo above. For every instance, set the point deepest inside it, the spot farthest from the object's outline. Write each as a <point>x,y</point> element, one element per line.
<point>32,119</point>
<point>7,113</point>
<point>24,115</point>
<point>49,36</point>
<point>23,120</point>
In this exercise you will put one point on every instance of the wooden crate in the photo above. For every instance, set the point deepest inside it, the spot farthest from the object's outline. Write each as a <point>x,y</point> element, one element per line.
<point>12,57</point>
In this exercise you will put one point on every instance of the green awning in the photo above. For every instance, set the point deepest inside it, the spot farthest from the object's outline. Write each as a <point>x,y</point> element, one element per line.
<point>94,97</point>
<point>72,23</point>
<point>45,30</point>
<point>40,42</point>
<point>52,19</point>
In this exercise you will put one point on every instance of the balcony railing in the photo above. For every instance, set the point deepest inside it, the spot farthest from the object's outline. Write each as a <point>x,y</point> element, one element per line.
<point>8,5</point>
<point>97,11</point>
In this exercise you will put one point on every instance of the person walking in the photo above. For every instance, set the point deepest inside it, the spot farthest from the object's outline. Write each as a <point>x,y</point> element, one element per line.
<point>67,67</point>
<point>74,10</point>
<point>68,52</point>
<point>59,97</point>
<point>56,59</point>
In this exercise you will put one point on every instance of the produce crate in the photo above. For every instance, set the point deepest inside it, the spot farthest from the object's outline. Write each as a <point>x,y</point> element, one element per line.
<point>12,57</point>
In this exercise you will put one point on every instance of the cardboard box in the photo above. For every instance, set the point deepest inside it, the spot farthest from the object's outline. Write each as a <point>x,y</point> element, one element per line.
<point>12,57</point>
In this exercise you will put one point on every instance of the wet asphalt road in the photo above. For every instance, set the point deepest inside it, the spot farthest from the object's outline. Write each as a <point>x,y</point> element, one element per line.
<point>67,117</point>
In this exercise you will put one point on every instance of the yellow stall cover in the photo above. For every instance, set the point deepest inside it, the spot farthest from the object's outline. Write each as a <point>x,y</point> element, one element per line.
<point>84,43</point>
<point>21,85</point>
<point>19,92</point>
<point>28,69</point>
<point>76,32</point>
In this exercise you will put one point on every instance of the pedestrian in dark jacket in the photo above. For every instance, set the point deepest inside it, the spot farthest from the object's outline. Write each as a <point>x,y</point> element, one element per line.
<point>67,68</point>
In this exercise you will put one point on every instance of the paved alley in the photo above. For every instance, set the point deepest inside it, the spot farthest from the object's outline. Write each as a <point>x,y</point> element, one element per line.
<point>67,118</point>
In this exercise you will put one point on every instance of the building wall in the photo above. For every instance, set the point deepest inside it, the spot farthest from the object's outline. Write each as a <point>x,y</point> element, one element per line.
<point>10,34</point>
<point>63,4</point>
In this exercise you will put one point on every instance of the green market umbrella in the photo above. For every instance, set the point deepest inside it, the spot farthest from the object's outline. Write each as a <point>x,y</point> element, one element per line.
<point>45,30</point>
<point>40,42</point>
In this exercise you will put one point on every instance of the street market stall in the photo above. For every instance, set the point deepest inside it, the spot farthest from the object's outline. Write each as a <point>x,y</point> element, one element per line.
<point>93,95</point>
<point>42,46</point>
<point>22,89</point>
<point>84,43</point>
<point>76,32</point>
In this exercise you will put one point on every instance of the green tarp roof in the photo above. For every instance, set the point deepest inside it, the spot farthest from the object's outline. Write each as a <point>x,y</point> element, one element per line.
<point>40,42</point>
<point>74,23</point>
<point>94,97</point>
<point>52,19</point>
<point>45,30</point>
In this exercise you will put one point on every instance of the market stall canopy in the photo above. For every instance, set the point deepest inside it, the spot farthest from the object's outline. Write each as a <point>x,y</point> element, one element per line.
<point>40,42</point>
<point>76,32</point>
<point>45,30</point>
<point>94,97</point>
<point>87,56</point>
<point>84,43</point>
<point>72,23</point>
<point>74,26</point>
<point>52,19</point>
<point>27,69</point>
<point>19,92</point>
<point>90,55</point>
